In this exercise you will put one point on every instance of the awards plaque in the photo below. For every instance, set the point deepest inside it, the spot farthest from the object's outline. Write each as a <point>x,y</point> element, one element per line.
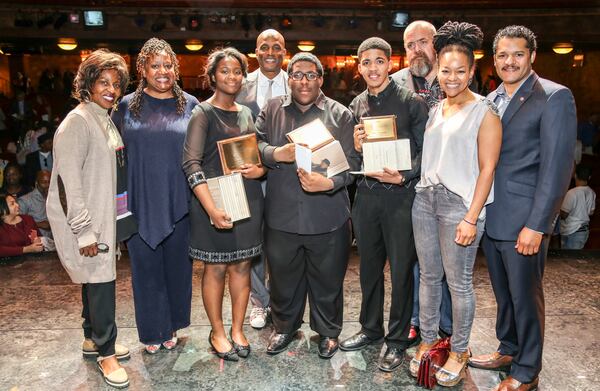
<point>322,154</point>
<point>381,128</point>
<point>314,135</point>
<point>237,151</point>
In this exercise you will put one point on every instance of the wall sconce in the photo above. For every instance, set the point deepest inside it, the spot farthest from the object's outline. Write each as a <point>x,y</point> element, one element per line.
<point>306,46</point>
<point>478,54</point>
<point>251,55</point>
<point>562,48</point>
<point>578,60</point>
<point>67,43</point>
<point>193,45</point>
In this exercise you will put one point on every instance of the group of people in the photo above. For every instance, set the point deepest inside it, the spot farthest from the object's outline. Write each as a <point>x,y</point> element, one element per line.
<point>484,169</point>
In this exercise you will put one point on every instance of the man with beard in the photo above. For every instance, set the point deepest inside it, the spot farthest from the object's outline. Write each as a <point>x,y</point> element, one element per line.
<point>421,77</point>
<point>381,214</point>
<point>307,231</point>
<point>539,125</point>
<point>267,82</point>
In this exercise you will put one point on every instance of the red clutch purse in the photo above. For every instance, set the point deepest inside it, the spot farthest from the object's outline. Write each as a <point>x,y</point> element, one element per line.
<point>431,361</point>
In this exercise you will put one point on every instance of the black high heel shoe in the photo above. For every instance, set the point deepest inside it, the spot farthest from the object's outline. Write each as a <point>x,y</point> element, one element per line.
<point>231,355</point>
<point>242,350</point>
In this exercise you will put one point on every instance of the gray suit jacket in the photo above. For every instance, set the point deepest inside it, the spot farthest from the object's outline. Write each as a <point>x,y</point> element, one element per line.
<point>247,94</point>
<point>404,78</point>
<point>539,129</point>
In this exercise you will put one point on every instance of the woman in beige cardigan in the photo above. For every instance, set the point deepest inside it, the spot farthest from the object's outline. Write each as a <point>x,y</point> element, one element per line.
<point>82,204</point>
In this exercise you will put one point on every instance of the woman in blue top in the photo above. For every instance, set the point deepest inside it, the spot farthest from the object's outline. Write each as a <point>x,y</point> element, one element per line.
<point>153,121</point>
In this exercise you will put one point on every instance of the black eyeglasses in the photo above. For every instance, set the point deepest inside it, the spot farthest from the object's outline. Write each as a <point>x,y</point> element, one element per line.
<point>310,76</point>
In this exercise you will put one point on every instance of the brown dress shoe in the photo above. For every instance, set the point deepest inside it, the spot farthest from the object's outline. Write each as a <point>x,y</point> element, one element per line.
<point>512,384</point>
<point>495,361</point>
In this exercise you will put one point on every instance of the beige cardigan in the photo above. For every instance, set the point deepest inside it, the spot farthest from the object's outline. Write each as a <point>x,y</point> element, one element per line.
<point>81,205</point>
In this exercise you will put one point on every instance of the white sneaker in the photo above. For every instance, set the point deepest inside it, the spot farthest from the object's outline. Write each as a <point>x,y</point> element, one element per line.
<point>258,317</point>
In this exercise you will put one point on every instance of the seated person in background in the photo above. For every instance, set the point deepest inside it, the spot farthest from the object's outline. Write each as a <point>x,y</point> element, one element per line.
<point>577,207</point>
<point>40,159</point>
<point>34,203</point>
<point>18,233</point>
<point>12,183</point>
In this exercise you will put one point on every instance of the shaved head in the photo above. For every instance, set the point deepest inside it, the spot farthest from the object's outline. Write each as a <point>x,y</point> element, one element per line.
<point>421,25</point>
<point>270,33</point>
<point>270,51</point>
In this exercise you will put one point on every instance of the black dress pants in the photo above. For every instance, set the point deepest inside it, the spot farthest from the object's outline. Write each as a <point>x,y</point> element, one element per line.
<point>99,315</point>
<point>383,227</point>
<point>517,281</point>
<point>308,264</point>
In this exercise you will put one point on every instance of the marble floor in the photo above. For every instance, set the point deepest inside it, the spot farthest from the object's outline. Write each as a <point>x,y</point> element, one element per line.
<point>40,338</point>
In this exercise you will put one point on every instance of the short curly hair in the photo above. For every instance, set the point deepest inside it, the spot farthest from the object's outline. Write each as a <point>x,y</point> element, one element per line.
<point>515,31</point>
<point>90,69</point>
<point>216,56</point>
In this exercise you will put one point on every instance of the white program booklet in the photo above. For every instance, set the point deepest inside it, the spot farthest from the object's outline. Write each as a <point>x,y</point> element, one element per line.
<point>393,154</point>
<point>303,157</point>
<point>329,160</point>
<point>229,194</point>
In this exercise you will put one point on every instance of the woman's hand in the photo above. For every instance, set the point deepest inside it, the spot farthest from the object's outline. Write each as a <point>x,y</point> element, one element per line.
<point>252,171</point>
<point>465,233</point>
<point>220,219</point>
<point>359,136</point>
<point>89,251</point>
<point>35,247</point>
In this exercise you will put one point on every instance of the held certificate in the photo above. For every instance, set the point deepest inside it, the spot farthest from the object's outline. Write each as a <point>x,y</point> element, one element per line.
<point>314,134</point>
<point>229,194</point>
<point>237,151</point>
<point>394,155</point>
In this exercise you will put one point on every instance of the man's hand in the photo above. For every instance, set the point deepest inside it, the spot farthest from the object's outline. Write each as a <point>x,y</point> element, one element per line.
<point>528,242</point>
<point>285,153</point>
<point>359,136</point>
<point>314,182</point>
<point>387,176</point>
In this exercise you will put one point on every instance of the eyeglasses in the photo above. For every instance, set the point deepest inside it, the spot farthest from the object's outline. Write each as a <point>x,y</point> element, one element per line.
<point>299,75</point>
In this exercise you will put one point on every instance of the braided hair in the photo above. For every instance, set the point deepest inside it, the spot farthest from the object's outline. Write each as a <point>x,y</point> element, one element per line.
<point>152,47</point>
<point>462,37</point>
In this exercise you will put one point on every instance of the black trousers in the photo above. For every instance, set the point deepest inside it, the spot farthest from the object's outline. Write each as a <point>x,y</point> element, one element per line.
<point>308,264</point>
<point>383,227</point>
<point>99,316</point>
<point>518,286</point>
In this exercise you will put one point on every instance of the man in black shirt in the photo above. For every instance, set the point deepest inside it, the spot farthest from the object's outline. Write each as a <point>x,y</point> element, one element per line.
<point>307,234</point>
<point>381,214</point>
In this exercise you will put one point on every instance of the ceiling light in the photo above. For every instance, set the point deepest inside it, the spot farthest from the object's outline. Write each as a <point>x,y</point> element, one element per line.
<point>562,48</point>
<point>478,54</point>
<point>306,46</point>
<point>193,45</point>
<point>67,43</point>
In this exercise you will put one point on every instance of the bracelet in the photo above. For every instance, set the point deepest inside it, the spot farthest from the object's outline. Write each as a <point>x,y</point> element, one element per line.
<point>468,222</point>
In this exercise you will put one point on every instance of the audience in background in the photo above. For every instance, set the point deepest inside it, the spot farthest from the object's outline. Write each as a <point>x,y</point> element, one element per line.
<point>577,207</point>
<point>34,203</point>
<point>18,233</point>
<point>13,181</point>
<point>40,159</point>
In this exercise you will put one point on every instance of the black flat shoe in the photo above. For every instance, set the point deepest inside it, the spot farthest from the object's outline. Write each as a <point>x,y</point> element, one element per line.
<point>279,342</point>
<point>327,346</point>
<point>242,350</point>
<point>231,355</point>
<point>391,360</point>
<point>358,341</point>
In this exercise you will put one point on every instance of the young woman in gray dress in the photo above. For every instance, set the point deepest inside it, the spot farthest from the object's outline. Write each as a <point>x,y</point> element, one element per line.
<point>460,151</point>
<point>223,246</point>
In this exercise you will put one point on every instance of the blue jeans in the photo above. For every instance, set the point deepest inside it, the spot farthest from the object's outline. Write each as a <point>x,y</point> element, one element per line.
<point>436,213</point>
<point>575,241</point>
<point>445,308</point>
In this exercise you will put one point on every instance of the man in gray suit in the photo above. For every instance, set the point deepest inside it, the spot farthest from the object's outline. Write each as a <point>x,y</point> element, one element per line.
<point>268,81</point>
<point>421,76</point>
<point>536,161</point>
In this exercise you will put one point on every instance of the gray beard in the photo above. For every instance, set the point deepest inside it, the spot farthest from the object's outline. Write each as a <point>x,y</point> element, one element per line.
<point>420,66</point>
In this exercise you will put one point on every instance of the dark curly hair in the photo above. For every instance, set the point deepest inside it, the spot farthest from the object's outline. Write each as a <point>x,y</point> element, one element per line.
<point>152,47</point>
<point>90,69</point>
<point>516,32</point>
<point>4,210</point>
<point>216,56</point>
<point>375,43</point>
<point>458,36</point>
